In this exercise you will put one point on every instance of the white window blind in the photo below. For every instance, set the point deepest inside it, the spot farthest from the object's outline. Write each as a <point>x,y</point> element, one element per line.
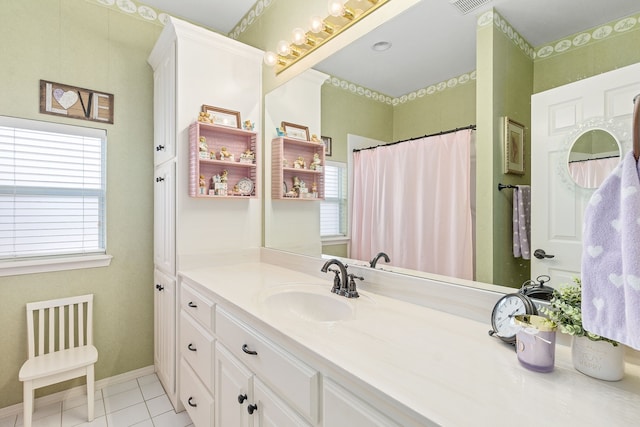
<point>333,210</point>
<point>52,189</point>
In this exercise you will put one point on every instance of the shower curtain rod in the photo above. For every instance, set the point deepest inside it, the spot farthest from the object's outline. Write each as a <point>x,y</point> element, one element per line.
<point>444,132</point>
<point>596,158</point>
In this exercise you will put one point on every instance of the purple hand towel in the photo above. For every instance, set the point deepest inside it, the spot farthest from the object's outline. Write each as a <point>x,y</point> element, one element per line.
<point>611,257</point>
<point>522,221</point>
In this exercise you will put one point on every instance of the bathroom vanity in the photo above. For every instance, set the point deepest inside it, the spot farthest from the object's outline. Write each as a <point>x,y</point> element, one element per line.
<point>263,342</point>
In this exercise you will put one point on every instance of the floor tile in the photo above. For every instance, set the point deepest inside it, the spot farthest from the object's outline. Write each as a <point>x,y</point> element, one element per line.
<point>78,415</point>
<point>43,412</point>
<point>145,423</point>
<point>119,388</point>
<point>9,421</point>
<point>52,420</point>
<point>171,419</point>
<point>151,390</point>
<point>159,405</point>
<point>97,422</point>
<point>129,416</point>
<point>123,400</point>
<point>74,402</point>
<point>151,378</point>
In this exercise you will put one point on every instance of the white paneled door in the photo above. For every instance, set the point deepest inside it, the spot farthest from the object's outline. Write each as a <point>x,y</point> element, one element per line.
<point>558,117</point>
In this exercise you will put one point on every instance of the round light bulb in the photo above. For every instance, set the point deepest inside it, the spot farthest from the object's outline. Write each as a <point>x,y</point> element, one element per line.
<point>283,48</point>
<point>270,58</point>
<point>299,36</point>
<point>336,7</point>
<point>316,24</point>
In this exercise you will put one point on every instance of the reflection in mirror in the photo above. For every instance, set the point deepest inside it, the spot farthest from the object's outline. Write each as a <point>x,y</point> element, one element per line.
<point>593,156</point>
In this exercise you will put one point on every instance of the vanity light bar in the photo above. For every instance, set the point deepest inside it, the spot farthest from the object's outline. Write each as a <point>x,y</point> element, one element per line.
<point>342,15</point>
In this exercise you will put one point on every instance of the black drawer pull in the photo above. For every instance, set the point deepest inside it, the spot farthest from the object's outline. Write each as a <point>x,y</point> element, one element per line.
<point>192,305</point>
<point>159,179</point>
<point>242,398</point>
<point>195,405</point>
<point>245,348</point>
<point>191,347</point>
<point>160,148</point>
<point>160,287</point>
<point>252,408</point>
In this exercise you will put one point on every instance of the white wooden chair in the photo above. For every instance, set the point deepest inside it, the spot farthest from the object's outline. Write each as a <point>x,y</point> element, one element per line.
<point>60,334</point>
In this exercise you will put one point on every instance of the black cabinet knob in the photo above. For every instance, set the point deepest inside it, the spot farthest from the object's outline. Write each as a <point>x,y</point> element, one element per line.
<point>159,179</point>
<point>251,408</point>
<point>159,287</point>
<point>160,148</point>
<point>242,398</point>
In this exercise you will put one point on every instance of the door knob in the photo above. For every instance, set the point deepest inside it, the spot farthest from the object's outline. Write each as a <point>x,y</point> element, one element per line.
<point>541,254</point>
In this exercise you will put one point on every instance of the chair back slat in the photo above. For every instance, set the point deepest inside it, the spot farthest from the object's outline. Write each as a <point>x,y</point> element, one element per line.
<point>61,324</point>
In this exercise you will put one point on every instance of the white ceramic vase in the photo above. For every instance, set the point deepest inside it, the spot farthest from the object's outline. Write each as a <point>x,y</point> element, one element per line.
<point>598,359</point>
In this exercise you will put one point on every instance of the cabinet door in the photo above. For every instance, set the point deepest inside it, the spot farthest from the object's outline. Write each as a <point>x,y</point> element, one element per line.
<point>164,117</point>
<point>233,390</point>
<point>164,329</point>
<point>343,409</point>
<point>271,411</point>
<point>164,208</point>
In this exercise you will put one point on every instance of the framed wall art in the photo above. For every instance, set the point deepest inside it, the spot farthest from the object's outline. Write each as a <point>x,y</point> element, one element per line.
<point>295,131</point>
<point>513,147</point>
<point>222,116</point>
<point>327,145</point>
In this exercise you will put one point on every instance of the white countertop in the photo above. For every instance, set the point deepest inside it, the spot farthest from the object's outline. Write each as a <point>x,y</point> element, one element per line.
<point>444,367</point>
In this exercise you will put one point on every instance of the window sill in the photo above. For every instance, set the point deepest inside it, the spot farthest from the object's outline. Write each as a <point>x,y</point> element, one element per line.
<point>15,268</point>
<point>335,240</point>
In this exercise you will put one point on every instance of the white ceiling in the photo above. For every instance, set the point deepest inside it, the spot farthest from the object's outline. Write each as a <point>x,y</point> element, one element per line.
<point>431,43</point>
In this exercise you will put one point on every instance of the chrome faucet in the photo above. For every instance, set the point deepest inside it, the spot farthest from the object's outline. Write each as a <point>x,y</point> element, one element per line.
<point>375,259</point>
<point>340,280</point>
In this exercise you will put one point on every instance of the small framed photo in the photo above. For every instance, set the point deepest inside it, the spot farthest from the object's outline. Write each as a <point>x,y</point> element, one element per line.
<point>296,131</point>
<point>327,145</point>
<point>513,147</point>
<point>222,116</point>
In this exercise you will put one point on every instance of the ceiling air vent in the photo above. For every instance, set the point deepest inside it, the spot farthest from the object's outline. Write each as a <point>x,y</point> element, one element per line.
<point>466,6</point>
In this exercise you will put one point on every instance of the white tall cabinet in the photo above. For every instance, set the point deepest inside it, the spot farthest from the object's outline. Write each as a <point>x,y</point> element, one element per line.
<point>194,67</point>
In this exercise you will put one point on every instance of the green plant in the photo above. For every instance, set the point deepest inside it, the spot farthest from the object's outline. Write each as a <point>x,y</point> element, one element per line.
<point>566,311</point>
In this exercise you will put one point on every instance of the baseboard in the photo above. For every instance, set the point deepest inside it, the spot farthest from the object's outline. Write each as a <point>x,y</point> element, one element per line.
<point>78,391</point>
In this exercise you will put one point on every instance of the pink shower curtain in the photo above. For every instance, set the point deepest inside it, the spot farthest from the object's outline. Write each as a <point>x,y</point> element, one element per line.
<point>412,201</point>
<point>591,173</point>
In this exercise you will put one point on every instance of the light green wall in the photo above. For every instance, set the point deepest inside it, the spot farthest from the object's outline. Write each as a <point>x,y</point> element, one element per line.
<point>504,79</point>
<point>345,113</point>
<point>615,51</point>
<point>83,44</point>
<point>449,109</point>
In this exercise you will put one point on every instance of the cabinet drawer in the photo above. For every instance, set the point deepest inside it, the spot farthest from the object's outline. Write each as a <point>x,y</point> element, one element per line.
<point>196,347</point>
<point>295,381</point>
<point>194,397</point>
<point>198,306</point>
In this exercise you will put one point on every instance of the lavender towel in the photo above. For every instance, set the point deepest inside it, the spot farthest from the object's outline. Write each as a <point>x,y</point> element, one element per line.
<point>611,257</point>
<point>522,221</point>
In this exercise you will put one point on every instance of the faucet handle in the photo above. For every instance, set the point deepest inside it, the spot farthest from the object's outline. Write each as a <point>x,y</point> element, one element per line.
<point>352,292</point>
<point>336,280</point>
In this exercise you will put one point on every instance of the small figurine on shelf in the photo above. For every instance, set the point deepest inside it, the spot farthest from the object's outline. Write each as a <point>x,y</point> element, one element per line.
<point>299,163</point>
<point>303,191</point>
<point>315,163</point>
<point>296,184</point>
<point>204,117</point>
<point>314,189</point>
<point>247,157</point>
<point>212,155</point>
<point>248,125</point>
<point>225,154</point>
<point>285,163</point>
<point>224,177</point>
<point>280,132</point>
<point>203,148</point>
<point>202,183</point>
<point>236,190</point>
<point>314,138</point>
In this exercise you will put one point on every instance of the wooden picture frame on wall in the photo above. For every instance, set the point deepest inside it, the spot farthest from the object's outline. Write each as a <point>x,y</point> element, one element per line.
<point>295,131</point>
<point>513,147</point>
<point>327,145</point>
<point>223,117</point>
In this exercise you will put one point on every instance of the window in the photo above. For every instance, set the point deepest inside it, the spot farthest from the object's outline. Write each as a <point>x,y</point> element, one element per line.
<point>333,210</point>
<point>52,190</point>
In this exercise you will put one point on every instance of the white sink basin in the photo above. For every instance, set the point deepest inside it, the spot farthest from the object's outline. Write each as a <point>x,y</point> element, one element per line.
<point>309,302</point>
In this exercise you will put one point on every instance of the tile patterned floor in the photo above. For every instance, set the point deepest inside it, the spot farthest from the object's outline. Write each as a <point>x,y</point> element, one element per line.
<point>141,403</point>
